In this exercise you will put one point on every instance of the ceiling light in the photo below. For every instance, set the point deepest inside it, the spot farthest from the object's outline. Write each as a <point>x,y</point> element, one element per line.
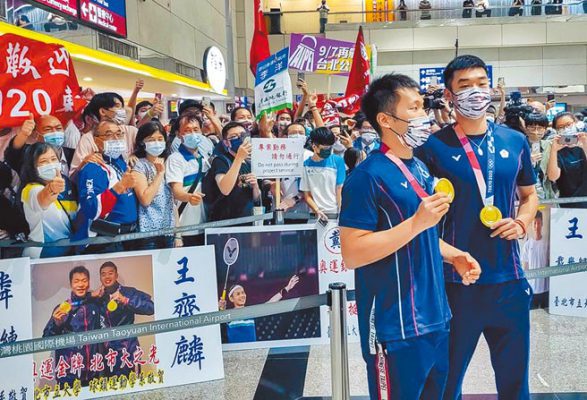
<point>88,79</point>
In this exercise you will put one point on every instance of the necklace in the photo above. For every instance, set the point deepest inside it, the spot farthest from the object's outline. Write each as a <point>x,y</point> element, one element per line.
<point>479,149</point>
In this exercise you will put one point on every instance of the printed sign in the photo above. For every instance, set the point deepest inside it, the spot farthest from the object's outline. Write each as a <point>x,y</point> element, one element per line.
<point>429,75</point>
<point>568,241</point>
<point>320,55</point>
<point>79,294</point>
<point>107,15</point>
<point>67,7</point>
<point>273,90</point>
<point>277,158</point>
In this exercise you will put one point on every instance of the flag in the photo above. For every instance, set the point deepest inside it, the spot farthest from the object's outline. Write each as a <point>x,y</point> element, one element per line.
<point>359,78</point>
<point>260,43</point>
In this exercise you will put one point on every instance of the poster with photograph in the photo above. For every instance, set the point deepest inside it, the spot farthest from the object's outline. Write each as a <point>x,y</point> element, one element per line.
<point>258,265</point>
<point>85,293</point>
<point>534,254</point>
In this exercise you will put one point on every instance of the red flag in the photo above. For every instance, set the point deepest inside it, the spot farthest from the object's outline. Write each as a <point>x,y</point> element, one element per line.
<point>358,77</point>
<point>260,43</point>
<point>36,78</point>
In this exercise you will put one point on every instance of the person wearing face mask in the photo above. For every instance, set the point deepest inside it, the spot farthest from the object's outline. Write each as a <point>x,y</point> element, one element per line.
<point>185,171</point>
<point>154,195</point>
<point>243,116</point>
<point>490,166</point>
<point>141,110</point>
<point>103,107</point>
<point>534,126</point>
<point>292,198</point>
<point>283,121</point>
<point>389,237</point>
<point>368,139</point>
<point>108,204</point>
<point>46,129</point>
<point>323,176</point>
<point>49,200</point>
<point>231,189</point>
<point>567,166</point>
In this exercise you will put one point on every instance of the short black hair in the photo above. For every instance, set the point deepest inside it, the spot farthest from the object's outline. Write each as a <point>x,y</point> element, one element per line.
<point>292,124</point>
<point>188,117</point>
<point>236,109</point>
<point>229,126</point>
<point>190,103</point>
<point>351,156</point>
<point>322,137</point>
<point>460,63</point>
<point>108,264</point>
<point>28,169</point>
<point>560,115</point>
<point>536,118</point>
<point>103,100</point>
<point>142,104</point>
<point>80,269</point>
<point>144,132</point>
<point>382,96</point>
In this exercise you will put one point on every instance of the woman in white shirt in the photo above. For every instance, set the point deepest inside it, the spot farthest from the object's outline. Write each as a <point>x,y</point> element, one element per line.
<point>49,201</point>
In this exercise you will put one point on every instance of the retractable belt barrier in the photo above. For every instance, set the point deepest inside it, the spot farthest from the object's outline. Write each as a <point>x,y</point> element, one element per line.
<point>211,318</point>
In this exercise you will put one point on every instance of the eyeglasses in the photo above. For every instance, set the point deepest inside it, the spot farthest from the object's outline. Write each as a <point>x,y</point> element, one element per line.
<point>110,135</point>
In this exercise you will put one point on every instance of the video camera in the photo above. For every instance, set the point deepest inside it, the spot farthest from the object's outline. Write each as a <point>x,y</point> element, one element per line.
<point>515,109</point>
<point>434,100</point>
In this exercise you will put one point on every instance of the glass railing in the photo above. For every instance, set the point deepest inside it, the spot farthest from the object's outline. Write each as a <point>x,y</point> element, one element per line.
<point>289,21</point>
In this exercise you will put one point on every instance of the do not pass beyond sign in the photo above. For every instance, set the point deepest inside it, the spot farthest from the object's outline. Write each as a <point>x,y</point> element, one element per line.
<point>277,158</point>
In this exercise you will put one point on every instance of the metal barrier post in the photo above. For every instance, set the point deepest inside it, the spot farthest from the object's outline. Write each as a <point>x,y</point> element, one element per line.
<point>339,361</point>
<point>279,217</point>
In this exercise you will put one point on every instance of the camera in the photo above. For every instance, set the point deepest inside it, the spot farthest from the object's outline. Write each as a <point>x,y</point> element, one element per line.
<point>515,109</point>
<point>434,100</point>
<point>569,140</point>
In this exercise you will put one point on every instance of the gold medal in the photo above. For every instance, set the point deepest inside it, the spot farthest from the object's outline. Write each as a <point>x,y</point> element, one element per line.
<point>490,215</point>
<point>112,306</point>
<point>65,307</point>
<point>445,186</point>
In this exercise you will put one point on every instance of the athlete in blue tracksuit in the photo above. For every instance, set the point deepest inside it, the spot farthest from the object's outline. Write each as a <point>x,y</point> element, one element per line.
<point>129,302</point>
<point>82,314</point>
<point>106,188</point>
<point>388,232</point>
<point>498,306</point>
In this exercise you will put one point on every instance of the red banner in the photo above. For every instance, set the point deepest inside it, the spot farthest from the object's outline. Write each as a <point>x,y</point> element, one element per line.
<point>36,78</point>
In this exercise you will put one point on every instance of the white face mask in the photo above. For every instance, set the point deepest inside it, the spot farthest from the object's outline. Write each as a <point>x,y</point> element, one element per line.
<point>368,137</point>
<point>141,115</point>
<point>338,147</point>
<point>114,148</point>
<point>472,103</point>
<point>155,149</point>
<point>120,116</point>
<point>48,171</point>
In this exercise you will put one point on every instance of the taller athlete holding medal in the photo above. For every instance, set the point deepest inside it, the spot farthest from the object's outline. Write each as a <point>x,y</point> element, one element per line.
<point>491,168</point>
<point>389,236</point>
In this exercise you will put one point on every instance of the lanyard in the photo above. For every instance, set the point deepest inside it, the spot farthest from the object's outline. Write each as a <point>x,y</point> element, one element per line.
<point>486,188</point>
<point>408,175</point>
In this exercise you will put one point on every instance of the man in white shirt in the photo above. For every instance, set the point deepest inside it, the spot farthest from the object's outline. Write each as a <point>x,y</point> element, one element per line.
<point>535,255</point>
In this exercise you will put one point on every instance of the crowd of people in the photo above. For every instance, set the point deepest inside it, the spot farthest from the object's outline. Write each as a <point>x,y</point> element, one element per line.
<point>118,169</point>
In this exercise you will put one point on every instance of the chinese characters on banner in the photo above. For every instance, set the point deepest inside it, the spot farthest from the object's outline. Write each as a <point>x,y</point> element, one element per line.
<point>15,301</point>
<point>148,287</point>
<point>107,15</point>
<point>37,78</point>
<point>277,158</point>
<point>273,90</point>
<point>568,241</point>
<point>331,268</point>
<point>320,55</point>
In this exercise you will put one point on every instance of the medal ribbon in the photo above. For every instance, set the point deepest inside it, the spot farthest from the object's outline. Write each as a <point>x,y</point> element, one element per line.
<point>407,174</point>
<point>486,189</point>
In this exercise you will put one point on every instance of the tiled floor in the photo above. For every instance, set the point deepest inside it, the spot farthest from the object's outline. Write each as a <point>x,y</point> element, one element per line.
<point>558,370</point>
